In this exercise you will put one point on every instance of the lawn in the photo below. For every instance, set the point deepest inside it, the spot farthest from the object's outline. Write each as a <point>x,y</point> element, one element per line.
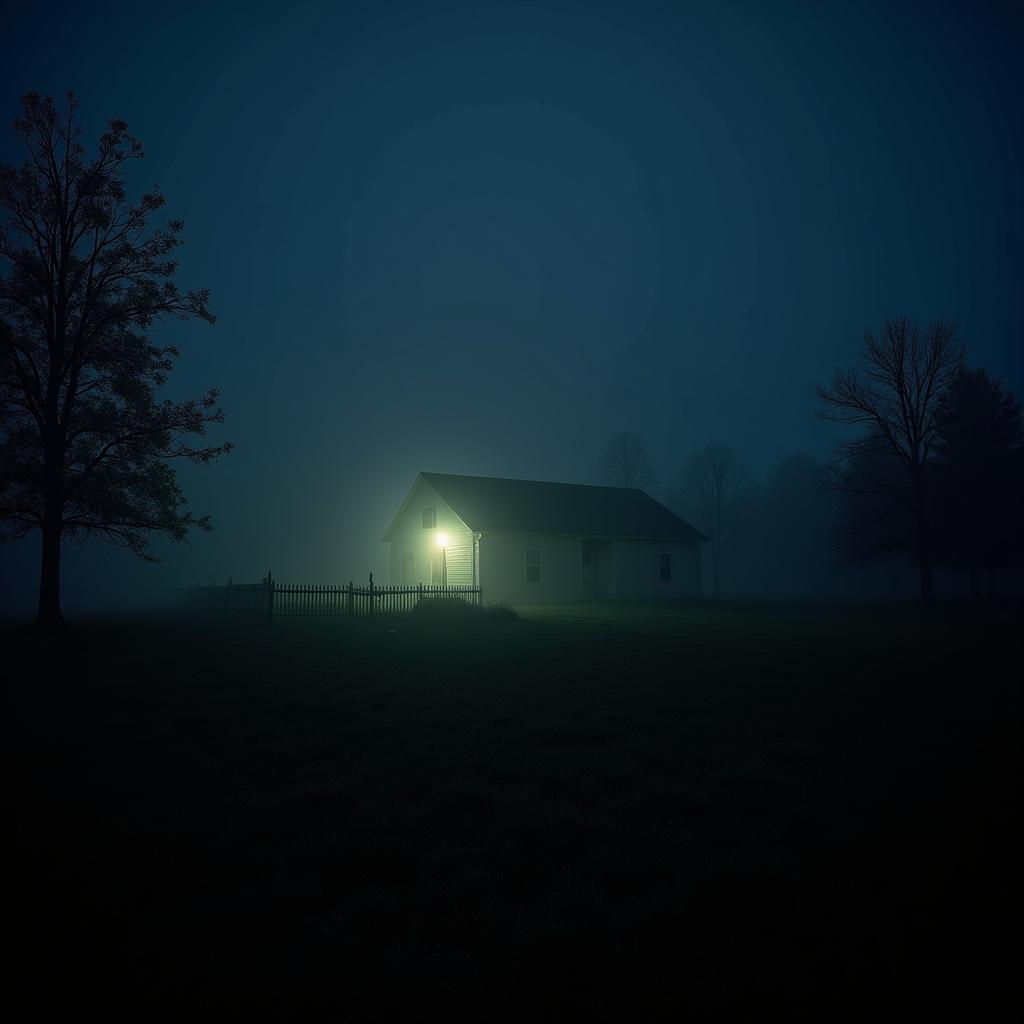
<point>602,813</point>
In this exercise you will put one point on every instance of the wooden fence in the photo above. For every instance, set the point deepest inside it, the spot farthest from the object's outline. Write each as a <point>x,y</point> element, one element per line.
<point>270,599</point>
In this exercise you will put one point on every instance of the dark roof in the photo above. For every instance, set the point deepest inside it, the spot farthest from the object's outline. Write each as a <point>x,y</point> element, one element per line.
<point>534,506</point>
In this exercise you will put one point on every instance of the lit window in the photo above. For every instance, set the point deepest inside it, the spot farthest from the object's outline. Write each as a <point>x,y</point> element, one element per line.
<point>429,518</point>
<point>665,568</point>
<point>533,565</point>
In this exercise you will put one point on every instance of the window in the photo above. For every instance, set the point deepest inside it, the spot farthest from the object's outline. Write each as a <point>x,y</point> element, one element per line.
<point>533,565</point>
<point>665,567</point>
<point>429,518</point>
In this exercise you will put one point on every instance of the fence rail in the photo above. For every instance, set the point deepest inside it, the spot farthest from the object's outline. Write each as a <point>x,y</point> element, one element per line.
<point>270,599</point>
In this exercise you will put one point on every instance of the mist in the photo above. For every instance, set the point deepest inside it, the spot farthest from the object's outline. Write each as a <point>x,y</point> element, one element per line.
<point>482,241</point>
<point>512,511</point>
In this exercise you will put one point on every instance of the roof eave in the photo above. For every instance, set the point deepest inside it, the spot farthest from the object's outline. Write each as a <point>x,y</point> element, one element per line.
<point>401,508</point>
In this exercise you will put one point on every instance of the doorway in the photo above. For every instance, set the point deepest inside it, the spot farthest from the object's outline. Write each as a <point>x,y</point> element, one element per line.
<point>438,568</point>
<point>589,574</point>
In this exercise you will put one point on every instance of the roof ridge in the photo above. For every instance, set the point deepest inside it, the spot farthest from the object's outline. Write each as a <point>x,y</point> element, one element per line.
<point>554,506</point>
<point>522,480</point>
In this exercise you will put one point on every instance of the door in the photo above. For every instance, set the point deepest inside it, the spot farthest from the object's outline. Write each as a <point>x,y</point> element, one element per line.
<point>407,571</point>
<point>589,574</point>
<point>438,568</point>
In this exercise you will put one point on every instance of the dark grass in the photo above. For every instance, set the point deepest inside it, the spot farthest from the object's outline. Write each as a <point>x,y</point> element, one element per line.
<point>456,610</point>
<point>620,812</point>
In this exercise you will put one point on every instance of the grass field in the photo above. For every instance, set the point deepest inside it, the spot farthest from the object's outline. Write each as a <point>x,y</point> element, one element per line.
<point>605,813</point>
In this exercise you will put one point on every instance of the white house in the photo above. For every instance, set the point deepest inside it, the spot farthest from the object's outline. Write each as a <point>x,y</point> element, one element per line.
<point>532,542</point>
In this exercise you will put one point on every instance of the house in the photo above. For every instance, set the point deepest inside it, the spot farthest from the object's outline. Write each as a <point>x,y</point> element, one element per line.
<point>532,542</point>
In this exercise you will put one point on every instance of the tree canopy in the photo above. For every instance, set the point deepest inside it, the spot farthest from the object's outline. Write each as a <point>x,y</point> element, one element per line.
<point>980,475</point>
<point>87,447</point>
<point>890,402</point>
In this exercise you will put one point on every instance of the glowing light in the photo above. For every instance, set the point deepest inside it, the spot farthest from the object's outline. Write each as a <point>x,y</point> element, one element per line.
<point>442,539</point>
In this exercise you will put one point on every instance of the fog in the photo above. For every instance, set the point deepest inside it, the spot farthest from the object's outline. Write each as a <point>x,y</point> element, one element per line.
<point>485,240</point>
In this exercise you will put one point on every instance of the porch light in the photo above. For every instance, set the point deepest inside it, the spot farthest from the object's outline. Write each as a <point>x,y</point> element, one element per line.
<point>442,539</point>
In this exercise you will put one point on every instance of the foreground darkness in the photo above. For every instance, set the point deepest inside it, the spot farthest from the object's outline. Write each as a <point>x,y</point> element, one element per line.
<point>582,813</point>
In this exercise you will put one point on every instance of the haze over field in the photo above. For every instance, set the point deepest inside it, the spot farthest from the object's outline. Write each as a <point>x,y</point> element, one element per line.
<point>482,240</point>
<point>676,348</point>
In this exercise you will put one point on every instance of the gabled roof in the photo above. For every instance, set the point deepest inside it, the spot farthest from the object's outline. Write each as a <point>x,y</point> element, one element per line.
<point>486,503</point>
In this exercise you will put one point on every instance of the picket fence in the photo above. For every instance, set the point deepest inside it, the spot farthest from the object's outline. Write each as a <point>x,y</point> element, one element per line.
<point>270,599</point>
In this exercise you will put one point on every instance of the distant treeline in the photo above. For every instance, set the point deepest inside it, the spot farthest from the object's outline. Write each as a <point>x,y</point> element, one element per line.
<point>924,495</point>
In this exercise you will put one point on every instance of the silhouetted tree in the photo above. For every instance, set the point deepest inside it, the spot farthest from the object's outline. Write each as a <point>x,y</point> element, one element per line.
<point>876,514</point>
<point>711,481</point>
<point>892,398</point>
<point>980,479</point>
<point>625,462</point>
<point>86,447</point>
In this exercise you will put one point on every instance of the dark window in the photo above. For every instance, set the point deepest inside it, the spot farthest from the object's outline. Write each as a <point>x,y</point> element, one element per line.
<point>429,518</point>
<point>533,565</point>
<point>665,568</point>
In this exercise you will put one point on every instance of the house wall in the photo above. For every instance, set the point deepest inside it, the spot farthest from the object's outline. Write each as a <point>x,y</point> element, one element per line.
<point>624,568</point>
<point>409,538</point>
<point>635,571</point>
<point>605,570</point>
<point>503,568</point>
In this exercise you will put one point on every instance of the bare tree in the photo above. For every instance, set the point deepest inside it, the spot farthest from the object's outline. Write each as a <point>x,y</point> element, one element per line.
<point>891,400</point>
<point>874,517</point>
<point>625,462</point>
<point>711,481</point>
<point>979,483</point>
<point>86,447</point>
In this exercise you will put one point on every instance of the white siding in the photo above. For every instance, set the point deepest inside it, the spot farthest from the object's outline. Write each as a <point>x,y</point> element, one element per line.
<point>636,565</point>
<point>605,570</point>
<point>503,568</point>
<point>409,538</point>
<point>623,568</point>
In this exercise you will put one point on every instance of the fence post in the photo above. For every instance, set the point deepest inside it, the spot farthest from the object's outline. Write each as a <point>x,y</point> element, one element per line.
<point>270,596</point>
<point>351,609</point>
<point>419,595</point>
<point>372,609</point>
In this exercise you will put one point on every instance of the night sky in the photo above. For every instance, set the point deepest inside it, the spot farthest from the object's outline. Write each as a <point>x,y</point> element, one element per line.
<point>480,239</point>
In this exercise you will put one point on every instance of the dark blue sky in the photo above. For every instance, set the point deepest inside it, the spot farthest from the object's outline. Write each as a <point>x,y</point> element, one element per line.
<point>471,238</point>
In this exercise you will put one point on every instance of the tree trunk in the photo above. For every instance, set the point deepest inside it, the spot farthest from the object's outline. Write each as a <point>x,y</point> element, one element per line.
<point>923,543</point>
<point>927,584</point>
<point>924,563</point>
<point>49,615</point>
